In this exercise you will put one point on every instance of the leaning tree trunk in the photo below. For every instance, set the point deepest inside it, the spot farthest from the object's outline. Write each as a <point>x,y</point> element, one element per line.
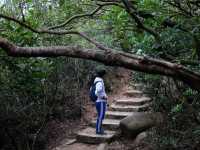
<point>108,57</point>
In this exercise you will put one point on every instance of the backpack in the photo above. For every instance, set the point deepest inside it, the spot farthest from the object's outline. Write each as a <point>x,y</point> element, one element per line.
<point>93,96</point>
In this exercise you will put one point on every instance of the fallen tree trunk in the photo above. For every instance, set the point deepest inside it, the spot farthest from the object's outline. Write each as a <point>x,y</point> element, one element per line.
<point>132,125</point>
<point>108,57</point>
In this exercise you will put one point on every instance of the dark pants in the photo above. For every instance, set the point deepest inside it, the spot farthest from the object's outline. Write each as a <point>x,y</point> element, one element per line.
<point>101,109</point>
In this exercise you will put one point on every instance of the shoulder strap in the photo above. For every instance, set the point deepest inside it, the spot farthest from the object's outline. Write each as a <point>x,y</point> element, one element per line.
<point>96,82</point>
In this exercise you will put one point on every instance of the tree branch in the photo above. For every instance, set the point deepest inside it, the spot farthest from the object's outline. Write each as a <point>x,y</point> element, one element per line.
<point>75,17</point>
<point>177,5</point>
<point>20,23</point>
<point>58,32</point>
<point>100,6</point>
<point>112,58</point>
<point>132,12</point>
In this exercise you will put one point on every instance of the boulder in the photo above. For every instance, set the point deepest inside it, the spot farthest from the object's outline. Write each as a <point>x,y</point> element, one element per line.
<point>132,125</point>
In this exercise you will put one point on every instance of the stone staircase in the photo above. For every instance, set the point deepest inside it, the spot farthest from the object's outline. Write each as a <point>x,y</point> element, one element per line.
<point>133,100</point>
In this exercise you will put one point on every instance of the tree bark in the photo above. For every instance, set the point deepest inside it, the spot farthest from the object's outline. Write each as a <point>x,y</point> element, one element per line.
<point>108,57</point>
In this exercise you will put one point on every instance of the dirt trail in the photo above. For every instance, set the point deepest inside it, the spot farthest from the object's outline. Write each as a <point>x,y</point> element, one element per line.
<point>119,82</point>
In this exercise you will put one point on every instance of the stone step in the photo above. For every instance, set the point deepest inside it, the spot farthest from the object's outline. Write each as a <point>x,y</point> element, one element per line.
<point>130,108</point>
<point>138,86</point>
<point>89,135</point>
<point>117,114</point>
<point>133,93</point>
<point>134,101</point>
<point>108,124</point>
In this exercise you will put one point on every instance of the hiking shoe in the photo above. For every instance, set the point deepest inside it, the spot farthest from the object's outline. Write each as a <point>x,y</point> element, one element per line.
<point>102,132</point>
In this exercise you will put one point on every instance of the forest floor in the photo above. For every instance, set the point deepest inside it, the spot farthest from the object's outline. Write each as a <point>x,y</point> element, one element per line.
<point>64,132</point>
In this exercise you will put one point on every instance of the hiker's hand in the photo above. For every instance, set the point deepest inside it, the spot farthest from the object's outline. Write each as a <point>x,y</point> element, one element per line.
<point>105,97</point>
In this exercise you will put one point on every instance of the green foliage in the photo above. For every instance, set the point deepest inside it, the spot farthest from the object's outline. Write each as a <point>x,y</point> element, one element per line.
<point>36,90</point>
<point>177,108</point>
<point>179,104</point>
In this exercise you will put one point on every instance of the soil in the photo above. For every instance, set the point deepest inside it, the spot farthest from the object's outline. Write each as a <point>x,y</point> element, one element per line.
<point>129,144</point>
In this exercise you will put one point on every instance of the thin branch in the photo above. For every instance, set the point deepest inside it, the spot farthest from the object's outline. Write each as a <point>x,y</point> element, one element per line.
<point>196,3</point>
<point>37,133</point>
<point>97,44</point>
<point>178,6</point>
<point>20,23</point>
<point>75,17</point>
<point>132,13</point>
<point>58,32</point>
<point>97,9</point>
<point>114,3</point>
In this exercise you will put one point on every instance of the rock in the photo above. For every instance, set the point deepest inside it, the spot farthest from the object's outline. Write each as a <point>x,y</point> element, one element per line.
<point>89,135</point>
<point>102,146</point>
<point>132,125</point>
<point>70,141</point>
<point>140,137</point>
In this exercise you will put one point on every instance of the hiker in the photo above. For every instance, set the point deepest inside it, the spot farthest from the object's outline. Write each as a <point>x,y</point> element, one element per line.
<point>101,99</point>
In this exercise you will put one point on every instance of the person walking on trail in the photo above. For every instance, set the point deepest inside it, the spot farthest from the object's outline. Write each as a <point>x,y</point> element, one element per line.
<point>101,99</point>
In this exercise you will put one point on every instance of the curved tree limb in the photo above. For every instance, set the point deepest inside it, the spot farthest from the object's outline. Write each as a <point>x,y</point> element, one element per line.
<point>129,8</point>
<point>97,9</point>
<point>23,24</point>
<point>112,58</point>
<point>56,32</point>
<point>75,17</point>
